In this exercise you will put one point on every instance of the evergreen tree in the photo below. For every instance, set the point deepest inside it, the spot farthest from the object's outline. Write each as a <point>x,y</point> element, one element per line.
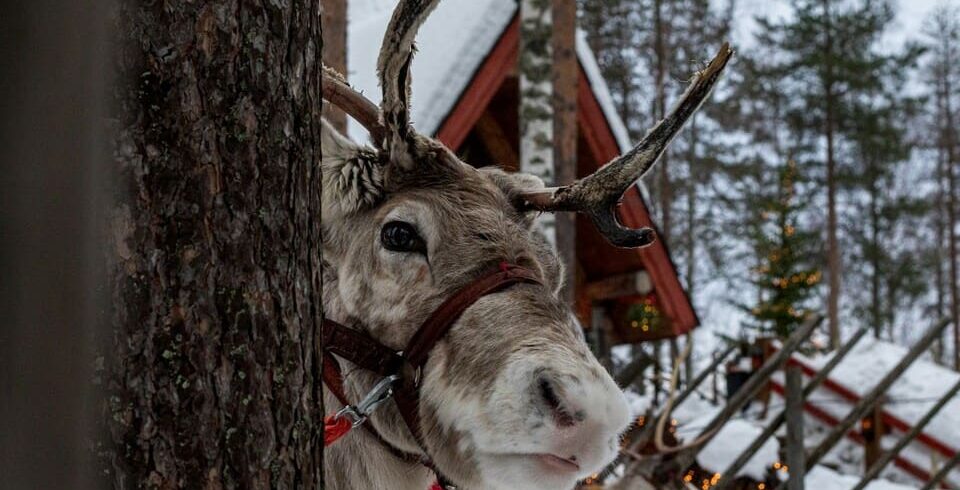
<point>786,277</point>
<point>885,241</point>
<point>828,56</point>
<point>943,79</point>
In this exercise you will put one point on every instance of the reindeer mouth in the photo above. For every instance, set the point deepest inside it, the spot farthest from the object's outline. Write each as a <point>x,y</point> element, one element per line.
<point>557,463</point>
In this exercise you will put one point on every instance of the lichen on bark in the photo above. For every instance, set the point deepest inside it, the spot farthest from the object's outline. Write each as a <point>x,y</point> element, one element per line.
<point>212,374</point>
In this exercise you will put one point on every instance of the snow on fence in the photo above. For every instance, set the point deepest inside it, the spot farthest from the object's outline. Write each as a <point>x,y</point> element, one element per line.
<point>842,392</point>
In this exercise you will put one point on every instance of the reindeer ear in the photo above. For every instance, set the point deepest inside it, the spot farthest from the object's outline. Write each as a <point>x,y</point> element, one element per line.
<point>352,175</point>
<point>515,186</point>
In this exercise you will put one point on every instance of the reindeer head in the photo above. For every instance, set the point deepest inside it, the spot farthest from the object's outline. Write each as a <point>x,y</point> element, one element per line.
<point>511,396</point>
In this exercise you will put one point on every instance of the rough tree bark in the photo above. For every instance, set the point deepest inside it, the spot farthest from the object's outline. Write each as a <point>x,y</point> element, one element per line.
<point>215,272</point>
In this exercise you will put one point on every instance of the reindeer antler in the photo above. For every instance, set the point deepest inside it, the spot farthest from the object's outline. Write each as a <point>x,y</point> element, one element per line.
<point>393,66</point>
<point>339,93</point>
<point>389,124</point>
<point>597,194</point>
<point>662,448</point>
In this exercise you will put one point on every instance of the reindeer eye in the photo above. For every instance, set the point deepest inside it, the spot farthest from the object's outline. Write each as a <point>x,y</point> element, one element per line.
<point>397,236</point>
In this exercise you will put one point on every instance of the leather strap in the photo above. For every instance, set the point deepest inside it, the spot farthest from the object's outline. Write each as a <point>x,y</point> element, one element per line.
<point>360,349</point>
<point>437,325</point>
<point>367,353</point>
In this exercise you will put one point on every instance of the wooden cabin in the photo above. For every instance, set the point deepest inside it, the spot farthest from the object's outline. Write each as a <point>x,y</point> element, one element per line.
<point>465,93</point>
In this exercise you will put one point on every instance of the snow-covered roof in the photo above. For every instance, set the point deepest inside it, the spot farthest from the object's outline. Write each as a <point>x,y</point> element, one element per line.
<point>452,44</point>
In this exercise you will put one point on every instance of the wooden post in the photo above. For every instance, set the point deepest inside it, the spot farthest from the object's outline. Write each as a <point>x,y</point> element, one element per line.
<point>768,432</point>
<point>600,334</point>
<point>916,430</point>
<point>868,400</point>
<point>633,370</point>
<point>794,411</point>
<point>716,375</point>
<point>334,33</point>
<point>765,344</point>
<point>618,286</point>
<point>872,431</point>
<point>675,352</point>
<point>565,76</point>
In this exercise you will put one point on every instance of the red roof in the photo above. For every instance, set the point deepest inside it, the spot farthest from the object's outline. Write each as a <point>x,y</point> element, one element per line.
<point>598,256</point>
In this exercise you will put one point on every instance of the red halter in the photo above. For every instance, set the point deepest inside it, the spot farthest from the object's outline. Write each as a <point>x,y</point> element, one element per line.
<point>401,370</point>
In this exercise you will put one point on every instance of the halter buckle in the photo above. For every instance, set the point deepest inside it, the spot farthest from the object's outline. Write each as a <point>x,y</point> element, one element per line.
<point>381,392</point>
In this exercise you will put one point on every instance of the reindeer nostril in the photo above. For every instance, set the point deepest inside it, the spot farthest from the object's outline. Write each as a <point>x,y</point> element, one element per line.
<point>549,395</point>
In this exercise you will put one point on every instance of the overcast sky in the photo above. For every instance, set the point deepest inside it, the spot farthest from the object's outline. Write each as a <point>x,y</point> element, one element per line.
<point>910,16</point>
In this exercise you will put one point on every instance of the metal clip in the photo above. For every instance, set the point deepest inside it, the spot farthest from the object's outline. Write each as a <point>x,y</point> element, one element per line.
<point>381,392</point>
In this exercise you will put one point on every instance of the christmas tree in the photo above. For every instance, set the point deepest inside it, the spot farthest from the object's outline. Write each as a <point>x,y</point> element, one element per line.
<point>785,277</point>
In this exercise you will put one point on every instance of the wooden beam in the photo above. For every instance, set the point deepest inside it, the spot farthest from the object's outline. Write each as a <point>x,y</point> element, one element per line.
<point>496,141</point>
<point>629,284</point>
<point>565,77</point>
<point>334,32</point>
<point>500,63</point>
<point>794,411</point>
<point>600,333</point>
<point>872,431</point>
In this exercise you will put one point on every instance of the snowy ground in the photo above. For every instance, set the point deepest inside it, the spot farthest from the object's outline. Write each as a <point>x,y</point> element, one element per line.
<point>909,399</point>
<point>911,396</point>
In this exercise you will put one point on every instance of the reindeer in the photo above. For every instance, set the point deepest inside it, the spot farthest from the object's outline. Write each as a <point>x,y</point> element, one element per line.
<point>509,395</point>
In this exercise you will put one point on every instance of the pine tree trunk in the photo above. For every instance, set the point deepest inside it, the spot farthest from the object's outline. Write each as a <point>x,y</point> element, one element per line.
<point>951,146</point>
<point>939,258</point>
<point>213,376</point>
<point>691,230</point>
<point>948,142</point>
<point>833,245</point>
<point>875,306</point>
<point>536,99</point>
<point>691,237</point>
<point>660,51</point>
